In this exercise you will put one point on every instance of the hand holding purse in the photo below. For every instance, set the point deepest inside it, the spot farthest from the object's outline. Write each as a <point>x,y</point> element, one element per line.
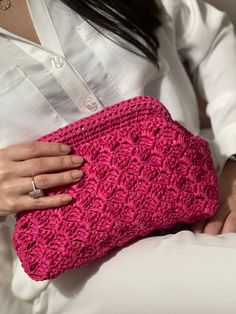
<point>143,172</point>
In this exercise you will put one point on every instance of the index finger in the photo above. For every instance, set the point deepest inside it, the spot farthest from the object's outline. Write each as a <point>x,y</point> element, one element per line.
<point>21,152</point>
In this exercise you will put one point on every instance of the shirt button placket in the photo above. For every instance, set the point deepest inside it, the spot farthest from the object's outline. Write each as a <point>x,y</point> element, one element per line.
<point>91,105</point>
<point>57,62</point>
<point>84,100</point>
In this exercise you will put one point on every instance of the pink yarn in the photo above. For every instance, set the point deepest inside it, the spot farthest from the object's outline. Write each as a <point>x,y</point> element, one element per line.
<point>142,172</point>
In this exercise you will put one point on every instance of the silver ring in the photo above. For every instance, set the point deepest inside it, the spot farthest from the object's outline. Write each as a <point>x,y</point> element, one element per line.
<point>36,192</point>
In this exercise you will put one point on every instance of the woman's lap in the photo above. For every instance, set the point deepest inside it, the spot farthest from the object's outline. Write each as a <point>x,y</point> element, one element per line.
<point>176,273</point>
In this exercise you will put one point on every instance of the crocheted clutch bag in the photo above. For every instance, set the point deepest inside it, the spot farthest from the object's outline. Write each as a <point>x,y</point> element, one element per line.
<point>142,172</point>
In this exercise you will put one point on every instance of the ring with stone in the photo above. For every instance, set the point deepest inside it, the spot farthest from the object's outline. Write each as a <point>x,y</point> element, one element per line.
<point>36,192</point>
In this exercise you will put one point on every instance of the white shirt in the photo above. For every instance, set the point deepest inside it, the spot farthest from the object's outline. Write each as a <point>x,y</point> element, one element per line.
<point>77,72</point>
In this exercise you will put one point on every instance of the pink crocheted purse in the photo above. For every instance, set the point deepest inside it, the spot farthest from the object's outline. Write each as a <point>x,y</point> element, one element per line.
<point>142,172</point>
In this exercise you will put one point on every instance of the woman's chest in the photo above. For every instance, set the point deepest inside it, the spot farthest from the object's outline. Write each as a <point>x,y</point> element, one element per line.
<point>17,20</point>
<point>42,89</point>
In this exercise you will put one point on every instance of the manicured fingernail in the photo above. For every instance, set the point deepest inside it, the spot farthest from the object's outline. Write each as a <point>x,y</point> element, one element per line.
<point>65,148</point>
<point>66,198</point>
<point>77,160</point>
<point>77,174</point>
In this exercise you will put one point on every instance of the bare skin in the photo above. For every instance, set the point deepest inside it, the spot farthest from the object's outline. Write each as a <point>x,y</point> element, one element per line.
<point>47,163</point>
<point>17,20</point>
<point>224,221</point>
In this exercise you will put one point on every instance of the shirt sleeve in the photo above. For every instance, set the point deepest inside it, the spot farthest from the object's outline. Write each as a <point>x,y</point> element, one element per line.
<point>205,38</point>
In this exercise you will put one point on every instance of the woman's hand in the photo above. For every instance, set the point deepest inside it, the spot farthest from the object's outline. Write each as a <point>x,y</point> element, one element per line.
<point>224,220</point>
<point>47,163</point>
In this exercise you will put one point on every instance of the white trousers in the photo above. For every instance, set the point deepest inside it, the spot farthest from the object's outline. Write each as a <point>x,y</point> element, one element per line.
<point>182,273</point>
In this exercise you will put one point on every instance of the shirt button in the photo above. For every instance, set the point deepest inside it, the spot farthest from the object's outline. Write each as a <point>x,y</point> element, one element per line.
<point>57,62</point>
<point>91,106</point>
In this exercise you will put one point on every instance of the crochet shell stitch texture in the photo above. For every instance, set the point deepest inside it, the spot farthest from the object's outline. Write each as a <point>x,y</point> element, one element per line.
<point>142,172</point>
